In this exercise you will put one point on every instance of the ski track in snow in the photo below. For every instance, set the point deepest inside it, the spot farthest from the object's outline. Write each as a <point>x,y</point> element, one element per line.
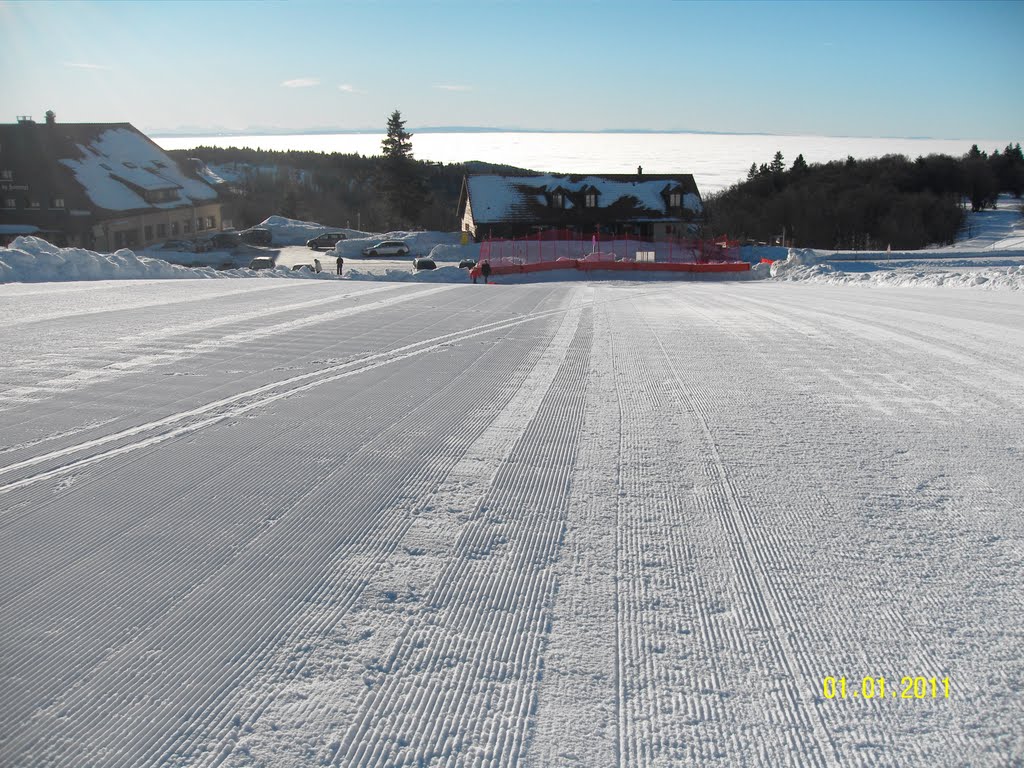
<point>608,524</point>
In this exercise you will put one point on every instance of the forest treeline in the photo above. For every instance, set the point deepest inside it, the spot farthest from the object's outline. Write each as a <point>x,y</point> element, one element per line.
<point>341,190</point>
<point>852,204</point>
<point>864,204</point>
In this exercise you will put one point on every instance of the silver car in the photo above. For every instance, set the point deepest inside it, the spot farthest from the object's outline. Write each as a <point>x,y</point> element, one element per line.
<point>387,248</point>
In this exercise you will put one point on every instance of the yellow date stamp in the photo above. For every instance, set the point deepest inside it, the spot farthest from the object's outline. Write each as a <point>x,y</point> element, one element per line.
<point>910,687</point>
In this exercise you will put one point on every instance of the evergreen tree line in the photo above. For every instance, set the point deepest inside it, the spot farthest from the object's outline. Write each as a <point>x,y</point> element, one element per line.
<point>864,204</point>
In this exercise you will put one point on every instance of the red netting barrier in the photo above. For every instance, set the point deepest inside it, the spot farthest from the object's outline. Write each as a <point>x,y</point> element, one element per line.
<point>562,245</point>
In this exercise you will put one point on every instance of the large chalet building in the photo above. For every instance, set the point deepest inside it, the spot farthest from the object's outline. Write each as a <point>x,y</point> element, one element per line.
<point>101,186</point>
<point>646,206</point>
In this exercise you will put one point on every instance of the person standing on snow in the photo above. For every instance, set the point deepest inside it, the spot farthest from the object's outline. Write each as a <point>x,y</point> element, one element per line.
<point>341,262</point>
<point>485,270</point>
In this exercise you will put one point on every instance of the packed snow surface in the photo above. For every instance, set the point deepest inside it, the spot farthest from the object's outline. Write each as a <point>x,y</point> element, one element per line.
<point>291,523</point>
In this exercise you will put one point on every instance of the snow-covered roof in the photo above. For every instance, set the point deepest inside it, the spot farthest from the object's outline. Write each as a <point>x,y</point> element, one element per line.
<point>496,198</point>
<point>119,162</point>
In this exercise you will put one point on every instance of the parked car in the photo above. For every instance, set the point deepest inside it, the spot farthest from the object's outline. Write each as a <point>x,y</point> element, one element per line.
<point>314,267</point>
<point>223,240</point>
<point>262,262</point>
<point>387,248</point>
<point>326,240</point>
<point>182,246</point>
<point>423,262</point>
<point>467,263</point>
<point>256,236</point>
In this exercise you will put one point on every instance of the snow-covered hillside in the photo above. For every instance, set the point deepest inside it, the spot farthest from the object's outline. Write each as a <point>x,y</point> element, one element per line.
<point>285,523</point>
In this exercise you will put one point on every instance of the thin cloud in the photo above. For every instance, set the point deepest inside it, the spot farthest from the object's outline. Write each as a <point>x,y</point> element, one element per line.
<point>85,65</point>
<point>349,88</point>
<point>301,82</point>
<point>454,87</point>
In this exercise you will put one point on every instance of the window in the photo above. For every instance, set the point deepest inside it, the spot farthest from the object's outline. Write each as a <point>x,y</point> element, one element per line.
<point>33,204</point>
<point>174,228</point>
<point>148,232</point>
<point>6,175</point>
<point>558,200</point>
<point>675,200</point>
<point>591,200</point>
<point>211,223</point>
<point>10,202</point>
<point>186,226</point>
<point>161,230</point>
<point>57,202</point>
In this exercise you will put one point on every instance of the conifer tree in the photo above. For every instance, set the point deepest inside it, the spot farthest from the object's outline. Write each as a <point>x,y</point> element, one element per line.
<point>405,188</point>
<point>778,165</point>
<point>397,145</point>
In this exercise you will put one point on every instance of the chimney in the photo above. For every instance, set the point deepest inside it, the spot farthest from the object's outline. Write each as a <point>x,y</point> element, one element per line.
<point>51,117</point>
<point>639,170</point>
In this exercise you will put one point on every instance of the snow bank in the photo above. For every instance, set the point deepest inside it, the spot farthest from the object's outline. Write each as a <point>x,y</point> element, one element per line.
<point>295,232</point>
<point>421,243</point>
<point>31,260</point>
<point>805,265</point>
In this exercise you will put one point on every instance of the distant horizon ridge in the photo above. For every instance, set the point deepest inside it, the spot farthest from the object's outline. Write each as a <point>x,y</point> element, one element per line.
<point>267,131</point>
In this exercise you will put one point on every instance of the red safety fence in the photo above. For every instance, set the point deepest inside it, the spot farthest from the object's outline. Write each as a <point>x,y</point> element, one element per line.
<point>562,245</point>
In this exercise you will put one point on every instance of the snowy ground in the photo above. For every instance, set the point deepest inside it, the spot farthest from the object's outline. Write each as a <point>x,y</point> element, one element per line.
<point>295,522</point>
<point>361,521</point>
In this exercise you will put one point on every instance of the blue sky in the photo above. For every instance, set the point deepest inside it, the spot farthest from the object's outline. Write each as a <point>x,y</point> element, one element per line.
<point>939,69</point>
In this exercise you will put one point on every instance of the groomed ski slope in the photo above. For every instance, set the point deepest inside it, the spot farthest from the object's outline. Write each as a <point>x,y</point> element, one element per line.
<point>292,523</point>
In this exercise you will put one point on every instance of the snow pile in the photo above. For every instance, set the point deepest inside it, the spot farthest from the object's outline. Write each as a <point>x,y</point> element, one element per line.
<point>989,255</point>
<point>421,243</point>
<point>31,260</point>
<point>798,269</point>
<point>296,232</point>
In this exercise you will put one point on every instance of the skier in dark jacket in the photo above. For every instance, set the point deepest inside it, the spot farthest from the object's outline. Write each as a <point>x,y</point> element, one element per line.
<point>341,261</point>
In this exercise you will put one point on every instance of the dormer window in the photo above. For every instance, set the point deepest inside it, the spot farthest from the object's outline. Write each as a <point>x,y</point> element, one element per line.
<point>590,200</point>
<point>557,200</point>
<point>675,200</point>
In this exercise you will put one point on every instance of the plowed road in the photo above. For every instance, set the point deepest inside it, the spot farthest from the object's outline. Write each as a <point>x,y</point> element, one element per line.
<point>275,522</point>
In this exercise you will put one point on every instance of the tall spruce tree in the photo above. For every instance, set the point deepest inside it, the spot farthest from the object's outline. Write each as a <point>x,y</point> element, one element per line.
<point>405,187</point>
<point>397,145</point>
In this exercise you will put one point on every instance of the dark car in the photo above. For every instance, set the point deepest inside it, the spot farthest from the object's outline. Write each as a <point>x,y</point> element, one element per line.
<point>182,246</point>
<point>467,263</point>
<point>326,240</point>
<point>423,262</point>
<point>262,262</point>
<point>223,240</point>
<point>256,236</point>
